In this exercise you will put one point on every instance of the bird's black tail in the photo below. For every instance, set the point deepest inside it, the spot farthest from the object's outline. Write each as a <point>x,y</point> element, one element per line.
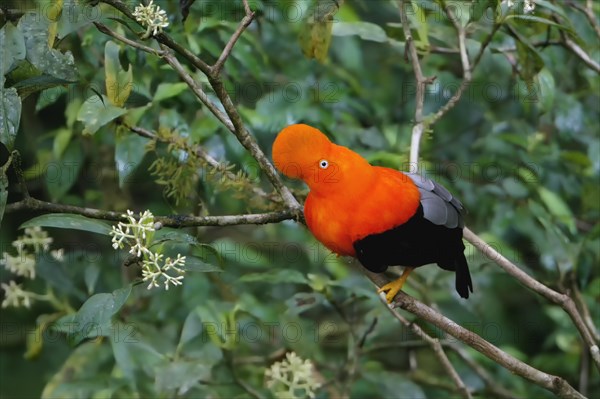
<point>463,276</point>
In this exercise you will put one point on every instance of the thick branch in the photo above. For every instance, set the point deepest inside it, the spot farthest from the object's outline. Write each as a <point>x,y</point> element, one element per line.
<point>550,382</point>
<point>249,142</point>
<point>32,204</point>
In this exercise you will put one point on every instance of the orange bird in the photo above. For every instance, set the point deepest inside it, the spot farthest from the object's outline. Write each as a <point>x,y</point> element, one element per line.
<point>379,215</point>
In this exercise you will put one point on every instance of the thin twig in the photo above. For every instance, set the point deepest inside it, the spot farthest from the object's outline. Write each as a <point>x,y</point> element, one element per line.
<point>421,81</point>
<point>583,309</point>
<point>462,38</point>
<point>200,153</point>
<point>579,52</point>
<point>32,204</point>
<point>589,14</point>
<point>564,301</point>
<point>491,385</point>
<point>437,349</point>
<point>107,31</point>
<point>197,89</point>
<point>246,21</point>
<point>163,37</point>
<point>465,82</point>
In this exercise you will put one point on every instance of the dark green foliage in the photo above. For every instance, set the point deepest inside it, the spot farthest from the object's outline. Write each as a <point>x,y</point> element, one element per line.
<point>521,150</point>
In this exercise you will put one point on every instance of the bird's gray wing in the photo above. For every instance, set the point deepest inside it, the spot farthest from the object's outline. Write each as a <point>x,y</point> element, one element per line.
<point>439,206</point>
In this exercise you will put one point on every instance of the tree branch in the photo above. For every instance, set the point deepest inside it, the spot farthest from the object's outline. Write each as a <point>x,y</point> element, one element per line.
<point>32,204</point>
<point>579,52</point>
<point>199,152</point>
<point>437,349</point>
<point>564,301</point>
<point>197,89</point>
<point>589,14</point>
<point>107,31</point>
<point>163,37</point>
<point>550,382</point>
<point>422,82</point>
<point>216,69</point>
<point>491,385</point>
<point>248,141</point>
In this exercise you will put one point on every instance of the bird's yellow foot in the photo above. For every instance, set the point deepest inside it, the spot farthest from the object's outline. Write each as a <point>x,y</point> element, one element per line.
<point>392,288</point>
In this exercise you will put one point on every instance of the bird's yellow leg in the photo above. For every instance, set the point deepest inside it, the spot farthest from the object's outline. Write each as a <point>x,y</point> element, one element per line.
<point>392,288</point>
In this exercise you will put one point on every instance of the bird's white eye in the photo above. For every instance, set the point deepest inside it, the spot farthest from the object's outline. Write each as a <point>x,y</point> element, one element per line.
<point>323,164</point>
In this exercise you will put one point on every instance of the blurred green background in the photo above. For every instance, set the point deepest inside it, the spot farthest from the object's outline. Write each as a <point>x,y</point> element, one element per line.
<point>521,150</point>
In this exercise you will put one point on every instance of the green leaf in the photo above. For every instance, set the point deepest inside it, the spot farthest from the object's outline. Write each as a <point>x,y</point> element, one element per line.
<point>365,30</point>
<point>61,142</point>
<point>69,221</point>
<point>119,82</point>
<point>10,115</point>
<point>531,64</point>
<point>192,327</point>
<point>129,152</point>
<point>77,14</point>
<point>93,319</point>
<point>515,188</point>
<point>420,20</point>
<point>181,375</point>
<point>96,112</point>
<point>546,89</point>
<point>177,235</point>
<point>480,8</point>
<point>533,18</point>
<point>47,60</point>
<point>133,355</point>
<point>194,264</point>
<point>168,90</point>
<point>71,162</point>
<point>86,362</point>
<point>90,276</point>
<point>275,277</point>
<point>4,186</point>
<point>54,273</point>
<point>34,84</point>
<point>557,207</point>
<point>315,33</point>
<point>12,47</point>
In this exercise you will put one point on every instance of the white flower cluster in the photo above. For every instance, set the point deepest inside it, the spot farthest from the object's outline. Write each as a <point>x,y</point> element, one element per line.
<point>34,241</point>
<point>152,17</point>
<point>15,295</point>
<point>137,234</point>
<point>292,378</point>
<point>528,5</point>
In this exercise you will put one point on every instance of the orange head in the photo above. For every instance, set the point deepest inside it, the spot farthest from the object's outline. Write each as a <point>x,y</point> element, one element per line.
<point>303,152</point>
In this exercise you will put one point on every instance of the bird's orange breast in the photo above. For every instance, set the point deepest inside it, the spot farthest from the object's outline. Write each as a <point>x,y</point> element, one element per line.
<point>387,200</point>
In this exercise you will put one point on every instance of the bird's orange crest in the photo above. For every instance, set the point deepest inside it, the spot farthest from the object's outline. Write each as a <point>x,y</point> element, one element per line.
<point>298,149</point>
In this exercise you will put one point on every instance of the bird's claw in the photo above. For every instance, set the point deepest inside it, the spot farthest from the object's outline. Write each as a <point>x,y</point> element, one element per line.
<point>390,290</point>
